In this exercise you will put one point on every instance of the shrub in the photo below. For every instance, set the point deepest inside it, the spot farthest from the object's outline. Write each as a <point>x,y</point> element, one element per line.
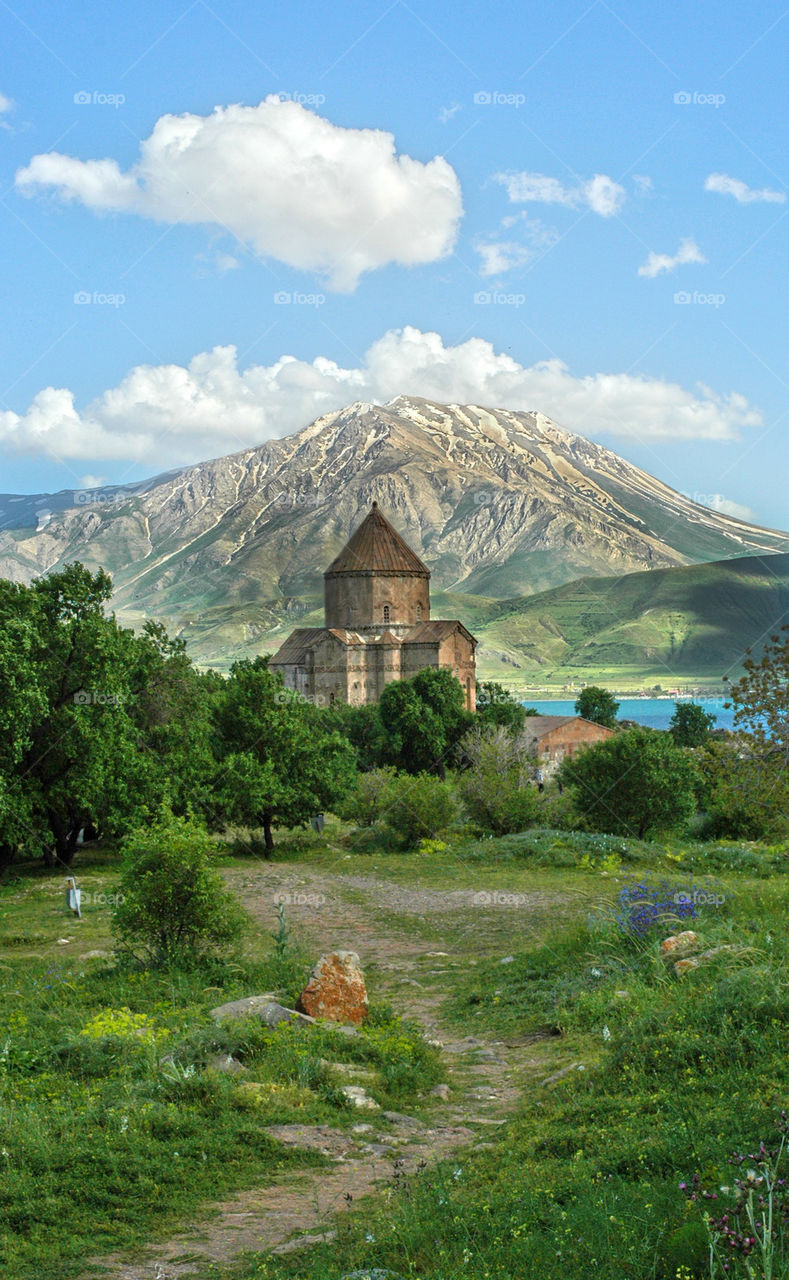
<point>633,783</point>
<point>496,787</point>
<point>419,807</point>
<point>172,905</point>
<point>368,801</point>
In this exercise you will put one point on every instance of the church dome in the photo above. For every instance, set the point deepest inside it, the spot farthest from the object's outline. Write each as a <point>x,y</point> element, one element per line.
<point>376,547</point>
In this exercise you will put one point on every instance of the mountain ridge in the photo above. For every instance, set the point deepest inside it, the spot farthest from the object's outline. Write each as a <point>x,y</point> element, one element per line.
<point>498,503</point>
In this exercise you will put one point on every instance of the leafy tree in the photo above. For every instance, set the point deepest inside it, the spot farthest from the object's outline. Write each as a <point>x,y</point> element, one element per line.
<point>423,719</point>
<point>79,758</point>
<point>496,784</point>
<point>278,763</point>
<point>631,784</point>
<point>690,724</point>
<point>597,705</point>
<point>362,726</point>
<point>760,699</point>
<point>497,706</point>
<point>172,904</point>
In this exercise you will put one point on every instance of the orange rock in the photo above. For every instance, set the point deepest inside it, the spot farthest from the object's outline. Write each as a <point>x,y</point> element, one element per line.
<point>336,989</point>
<point>679,942</point>
<point>682,966</point>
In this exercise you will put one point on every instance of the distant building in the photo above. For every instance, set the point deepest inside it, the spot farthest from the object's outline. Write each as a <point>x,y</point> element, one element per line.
<point>554,738</point>
<point>378,626</point>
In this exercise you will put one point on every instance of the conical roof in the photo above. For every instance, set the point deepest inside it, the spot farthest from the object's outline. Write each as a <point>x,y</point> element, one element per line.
<point>376,547</point>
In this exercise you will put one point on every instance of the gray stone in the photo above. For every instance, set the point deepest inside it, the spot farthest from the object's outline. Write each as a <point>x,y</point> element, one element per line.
<point>440,1091</point>
<point>264,1007</point>
<point>359,1097</point>
<point>225,1063</point>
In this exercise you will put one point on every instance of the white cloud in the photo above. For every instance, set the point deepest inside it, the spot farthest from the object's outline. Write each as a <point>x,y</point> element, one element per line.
<point>92,482</point>
<point>280,178</point>
<point>499,256</point>
<point>169,415</point>
<point>726,186</point>
<point>657,263</point>
<point>5,103</point>
<point>728,508</point>
<point>600,193</point>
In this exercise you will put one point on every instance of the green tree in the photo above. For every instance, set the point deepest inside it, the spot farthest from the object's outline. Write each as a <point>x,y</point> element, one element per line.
<point>423,719</point>
<point>633,783</point>
<point>496,784</point>
<point>79,755</point>
<point>597,705</point>
<point>497,706</point>
<point>279,765</point>
<point>690,724</point>
<point>172,904</point>
<point>760,699</point>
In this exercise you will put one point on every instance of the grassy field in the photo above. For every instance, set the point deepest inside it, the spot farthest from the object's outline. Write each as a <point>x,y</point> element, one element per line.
<point>115,1129</point>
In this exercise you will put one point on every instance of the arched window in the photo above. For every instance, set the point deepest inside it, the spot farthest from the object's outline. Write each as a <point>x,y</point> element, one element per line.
<point>419,613</point>
<point>348,616</point>
<point>386,613</point>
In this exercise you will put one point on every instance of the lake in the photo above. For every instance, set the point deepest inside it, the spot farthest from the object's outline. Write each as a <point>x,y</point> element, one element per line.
<point>653,712</point>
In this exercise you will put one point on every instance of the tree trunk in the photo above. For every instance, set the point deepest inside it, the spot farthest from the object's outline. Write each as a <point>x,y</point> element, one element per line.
<point>267,836</point>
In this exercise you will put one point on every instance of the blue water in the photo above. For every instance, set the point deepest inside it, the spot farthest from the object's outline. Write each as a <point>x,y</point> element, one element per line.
<point>653,712</point>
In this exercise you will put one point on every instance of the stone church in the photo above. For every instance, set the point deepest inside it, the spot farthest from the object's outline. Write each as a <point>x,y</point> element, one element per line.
<point>378,626</point>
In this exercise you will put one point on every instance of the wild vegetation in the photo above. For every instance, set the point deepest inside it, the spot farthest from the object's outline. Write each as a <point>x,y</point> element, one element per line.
<point>111,1069</point>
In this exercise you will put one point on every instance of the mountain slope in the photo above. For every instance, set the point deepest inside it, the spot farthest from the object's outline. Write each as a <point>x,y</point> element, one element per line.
<point>497,503</point>
<point>651,627</point>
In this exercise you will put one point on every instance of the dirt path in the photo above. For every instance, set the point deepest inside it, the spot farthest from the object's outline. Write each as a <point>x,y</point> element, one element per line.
<point>410,940</point>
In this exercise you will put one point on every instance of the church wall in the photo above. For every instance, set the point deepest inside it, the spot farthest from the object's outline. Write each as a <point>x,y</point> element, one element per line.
<point>359,599</point>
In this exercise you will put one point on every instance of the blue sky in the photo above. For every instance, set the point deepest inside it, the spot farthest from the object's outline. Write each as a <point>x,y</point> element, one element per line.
<point>577,208</point>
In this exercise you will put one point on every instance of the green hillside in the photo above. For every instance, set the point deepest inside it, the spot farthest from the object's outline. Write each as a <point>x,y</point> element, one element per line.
<point>664,626</point>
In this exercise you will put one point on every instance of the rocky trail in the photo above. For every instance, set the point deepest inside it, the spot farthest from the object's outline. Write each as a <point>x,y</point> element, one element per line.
<point>387,924</point>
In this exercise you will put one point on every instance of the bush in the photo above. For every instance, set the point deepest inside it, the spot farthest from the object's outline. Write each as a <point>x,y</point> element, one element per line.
<point>172,905</point>
<point>496,788</point>
<point>369,800</point>
<point>634,783</point>
<point>419,807</point>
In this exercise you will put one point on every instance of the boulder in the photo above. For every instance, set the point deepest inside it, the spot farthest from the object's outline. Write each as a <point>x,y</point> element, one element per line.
<point>264,1007</point>
<point>679,942</point>
<point>336,989</point>
<point>440,1091</point>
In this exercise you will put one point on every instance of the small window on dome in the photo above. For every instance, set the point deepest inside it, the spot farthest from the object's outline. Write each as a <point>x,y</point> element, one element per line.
<point>419,613</point>
<point>386,613</point>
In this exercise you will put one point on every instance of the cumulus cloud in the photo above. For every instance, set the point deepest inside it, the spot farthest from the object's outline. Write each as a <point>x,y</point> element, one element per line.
<point>5,103</point>
<point>657,263</point>
<point>170,415</point>
<point>280,178</point>
<point>599,193</point>
<point>726,186</point>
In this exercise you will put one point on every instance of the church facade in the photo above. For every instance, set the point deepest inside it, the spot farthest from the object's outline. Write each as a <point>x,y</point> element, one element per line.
<point>377,625</point>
